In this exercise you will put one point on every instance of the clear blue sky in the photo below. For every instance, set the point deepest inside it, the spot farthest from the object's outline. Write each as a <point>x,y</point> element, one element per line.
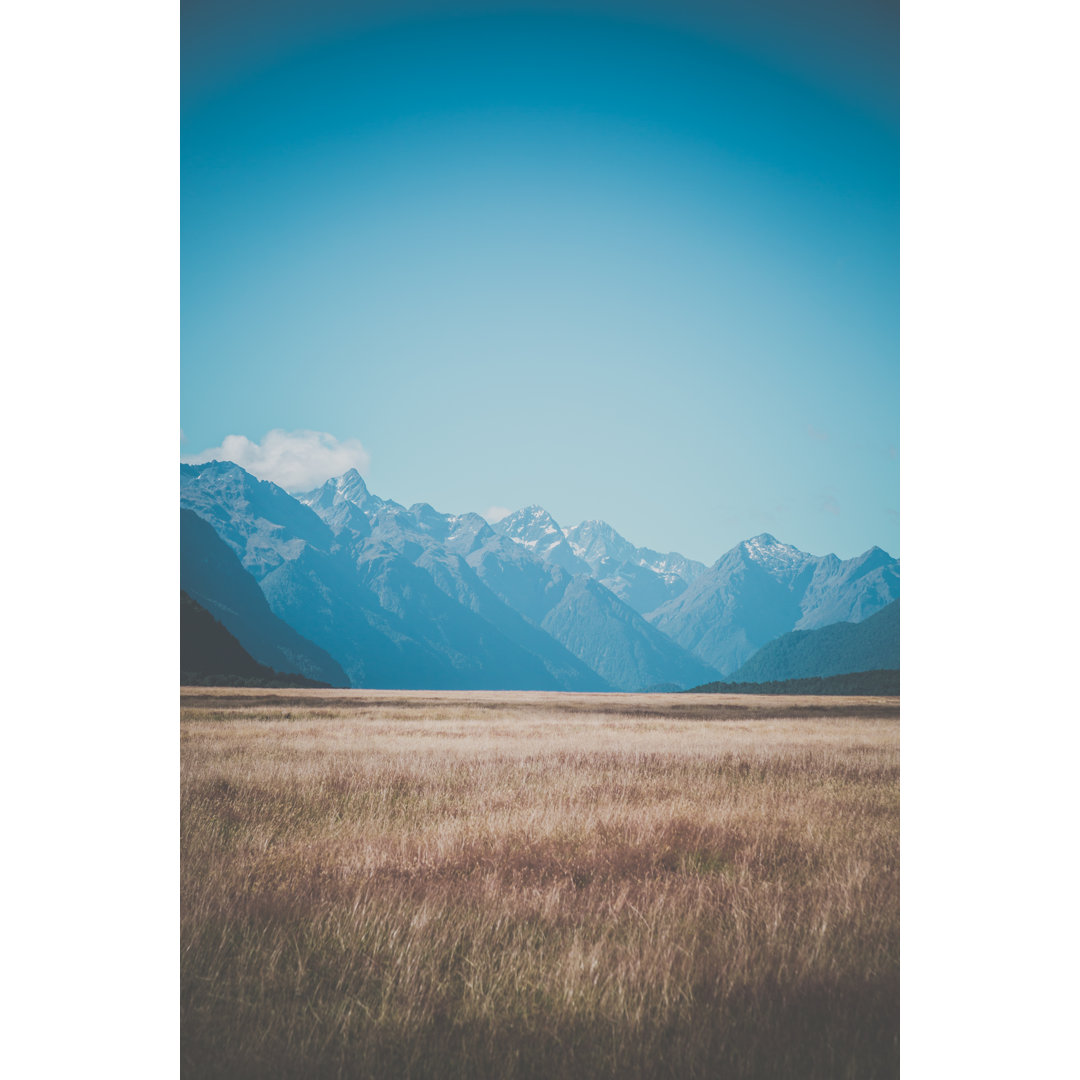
<point>630,261</point>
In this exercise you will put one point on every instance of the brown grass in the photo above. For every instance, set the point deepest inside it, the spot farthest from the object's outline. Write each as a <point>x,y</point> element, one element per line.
<point>526,885</point>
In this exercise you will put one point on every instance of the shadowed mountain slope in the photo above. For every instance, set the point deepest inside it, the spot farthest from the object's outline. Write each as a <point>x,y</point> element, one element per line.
<point>616,641</point>
<point>839,649</point>
<point>211,574</point>
<point>209,654</point>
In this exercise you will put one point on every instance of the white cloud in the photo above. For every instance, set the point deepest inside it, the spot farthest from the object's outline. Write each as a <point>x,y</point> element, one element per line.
<point>496,513</point>
<point>295,460</point>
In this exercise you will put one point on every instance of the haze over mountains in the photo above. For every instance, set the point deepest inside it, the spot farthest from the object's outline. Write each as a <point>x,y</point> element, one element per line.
<point>351,589</point>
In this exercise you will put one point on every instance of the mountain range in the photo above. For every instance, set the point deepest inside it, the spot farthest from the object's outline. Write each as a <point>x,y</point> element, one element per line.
<point>348,588</point>
<point>762,588</point>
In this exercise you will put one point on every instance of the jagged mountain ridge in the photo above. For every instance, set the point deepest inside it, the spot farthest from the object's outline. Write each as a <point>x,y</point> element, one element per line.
<point>723,614</point>
<point>521,584</point>
<point>759,590</point>
<point>438,545</point>
<point>385,622</point>
<point>762,588</point>
<point>643,578</point>
<point>411,597</point>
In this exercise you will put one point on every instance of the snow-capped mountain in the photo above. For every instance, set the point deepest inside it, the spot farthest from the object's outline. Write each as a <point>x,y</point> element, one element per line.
<point>598,544</point>
<point>763,588</point>
<point>777,558</point>
<point>644,578</point>
<point>263,524</point>
<point>535,529</point>
<point>340,503</point>
<point>381,617</point>
<point>524,571</point>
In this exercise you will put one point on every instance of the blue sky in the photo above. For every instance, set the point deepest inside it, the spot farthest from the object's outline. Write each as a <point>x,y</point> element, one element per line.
<point>627,261</point>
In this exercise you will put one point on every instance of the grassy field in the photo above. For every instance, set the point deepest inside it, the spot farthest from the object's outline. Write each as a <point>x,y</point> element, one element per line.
<point>379,884</point>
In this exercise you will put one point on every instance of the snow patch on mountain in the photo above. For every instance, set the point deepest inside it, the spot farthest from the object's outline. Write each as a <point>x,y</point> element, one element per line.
<point>775,556</point>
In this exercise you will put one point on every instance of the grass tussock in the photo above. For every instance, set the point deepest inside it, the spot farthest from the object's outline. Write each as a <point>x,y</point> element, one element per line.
<point>518,889</point>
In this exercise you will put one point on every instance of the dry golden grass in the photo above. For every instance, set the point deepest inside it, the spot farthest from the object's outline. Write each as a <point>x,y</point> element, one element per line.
<point>380,884</point>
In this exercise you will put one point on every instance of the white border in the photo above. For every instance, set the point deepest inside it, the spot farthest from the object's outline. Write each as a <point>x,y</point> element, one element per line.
<point>989,293</point>
<point>91,345</point>
<point>90,339</point>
